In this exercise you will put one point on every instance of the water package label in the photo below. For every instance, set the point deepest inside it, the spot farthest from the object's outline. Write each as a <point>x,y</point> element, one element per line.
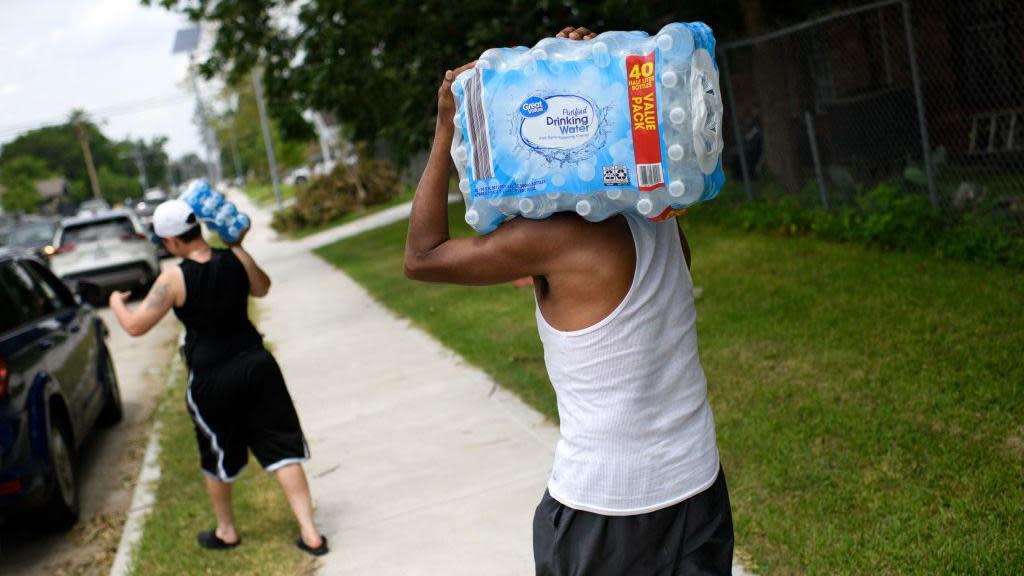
<point>622,122</point>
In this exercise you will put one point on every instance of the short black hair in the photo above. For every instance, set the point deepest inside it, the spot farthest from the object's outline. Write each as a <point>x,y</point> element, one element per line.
<point>190,234</point>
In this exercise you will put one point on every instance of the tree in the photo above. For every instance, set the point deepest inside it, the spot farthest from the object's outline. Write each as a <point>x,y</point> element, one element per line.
<point>155,160</point>
<point>377,65</point>
<point>58,148</point>
<point>18,177</point>
<point>242,126</point>
<point>117,187</point>
<point>188,167</point>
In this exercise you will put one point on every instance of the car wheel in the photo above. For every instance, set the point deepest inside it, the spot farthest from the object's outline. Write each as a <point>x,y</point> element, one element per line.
<point>63,506</point>
<point>113,412</point>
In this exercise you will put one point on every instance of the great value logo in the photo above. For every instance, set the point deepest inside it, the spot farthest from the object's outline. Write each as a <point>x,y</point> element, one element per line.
<point>533,106</point>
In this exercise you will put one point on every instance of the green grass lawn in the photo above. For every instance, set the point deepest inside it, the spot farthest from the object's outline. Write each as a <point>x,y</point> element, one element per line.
<point>182,508</point>
<point>263,194</point>
<point>869,405</point>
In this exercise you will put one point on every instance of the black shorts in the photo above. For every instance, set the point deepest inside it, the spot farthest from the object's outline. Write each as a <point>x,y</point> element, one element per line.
<point>693,537</point>
<point>243,404</point>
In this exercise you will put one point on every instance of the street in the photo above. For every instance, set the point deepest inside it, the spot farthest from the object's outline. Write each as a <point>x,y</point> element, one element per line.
<point>108,465</point>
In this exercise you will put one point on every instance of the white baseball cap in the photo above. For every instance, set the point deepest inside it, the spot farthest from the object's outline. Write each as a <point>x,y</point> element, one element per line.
<point>173,218</point>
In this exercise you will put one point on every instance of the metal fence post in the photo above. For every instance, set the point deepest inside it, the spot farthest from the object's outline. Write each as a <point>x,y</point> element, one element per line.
<point>736,126</point>
<point>812,139</point>
<point>922,121</point>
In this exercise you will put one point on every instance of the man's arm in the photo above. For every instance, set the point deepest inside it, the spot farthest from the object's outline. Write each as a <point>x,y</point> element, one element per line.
<point>143,317</point>
<point>259,281</point>
<point>516,249</point>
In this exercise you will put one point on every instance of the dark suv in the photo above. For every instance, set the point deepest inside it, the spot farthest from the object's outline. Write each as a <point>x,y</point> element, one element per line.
<point>57,381</point>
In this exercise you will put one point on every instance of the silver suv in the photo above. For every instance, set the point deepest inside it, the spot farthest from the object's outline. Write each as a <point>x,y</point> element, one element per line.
<point>109,249</point>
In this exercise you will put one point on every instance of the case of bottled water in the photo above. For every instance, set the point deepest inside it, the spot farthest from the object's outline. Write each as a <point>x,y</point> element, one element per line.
<point>621,122</point>
<point>218,214</point>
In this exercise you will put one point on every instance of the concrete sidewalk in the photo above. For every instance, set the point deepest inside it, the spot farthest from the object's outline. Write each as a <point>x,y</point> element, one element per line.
<point>415,468</point>
<point>420,465</point>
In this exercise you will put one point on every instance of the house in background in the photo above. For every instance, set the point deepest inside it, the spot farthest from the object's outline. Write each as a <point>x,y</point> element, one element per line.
<point>54,193</point>
<point>848,82</point>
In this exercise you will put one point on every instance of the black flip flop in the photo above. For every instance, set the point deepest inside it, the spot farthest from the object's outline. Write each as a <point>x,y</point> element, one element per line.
<point>208,539</point>
<point>318,551</point>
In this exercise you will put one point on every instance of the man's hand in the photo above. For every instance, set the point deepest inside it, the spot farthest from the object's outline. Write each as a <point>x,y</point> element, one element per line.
<point>445,99</point>
<point>118,297</point>
<point>574,33</point>
<point>241,237</point>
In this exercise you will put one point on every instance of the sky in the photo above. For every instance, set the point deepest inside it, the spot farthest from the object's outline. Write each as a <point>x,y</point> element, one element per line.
<point>108,56</point>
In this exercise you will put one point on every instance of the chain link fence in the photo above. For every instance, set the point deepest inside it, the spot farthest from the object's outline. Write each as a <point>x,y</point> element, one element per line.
<point>926,96</point>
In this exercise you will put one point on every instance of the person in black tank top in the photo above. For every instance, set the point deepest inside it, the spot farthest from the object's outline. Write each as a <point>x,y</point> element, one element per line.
<point>236,393</point>
<point>215,312</point>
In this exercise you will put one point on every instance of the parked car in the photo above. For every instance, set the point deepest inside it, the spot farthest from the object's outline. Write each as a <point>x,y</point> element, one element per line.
<point>6,225</point>
<point>110,249</point>
<point>299,176</point>
<point>155,195</point>
<point>321,168</point>
<point>94,205</point>
<point>32,233</point>
<point>144,209</point>
<point>57,382</point>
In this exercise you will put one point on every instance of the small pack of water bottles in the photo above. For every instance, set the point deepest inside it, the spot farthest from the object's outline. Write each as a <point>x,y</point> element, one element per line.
<point>218,214</point>
<point>622,122</point>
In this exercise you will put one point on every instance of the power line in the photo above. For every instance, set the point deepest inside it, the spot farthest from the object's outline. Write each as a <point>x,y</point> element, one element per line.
<point>132,107</point>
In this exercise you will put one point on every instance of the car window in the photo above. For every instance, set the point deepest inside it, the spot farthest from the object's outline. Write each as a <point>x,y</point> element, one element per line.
<point>96,231</point>
<point>31,235</point>
<point>27,301</point>
<point>10,314</point>
<point>54,289</point>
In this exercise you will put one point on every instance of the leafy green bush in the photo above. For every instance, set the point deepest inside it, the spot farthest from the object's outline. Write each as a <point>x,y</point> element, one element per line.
<point>17,178</point>
<point>893,218</point>
<point>888,216</point>
<point>379,179</point>
<point>117,187</point>
<point>331,196</point>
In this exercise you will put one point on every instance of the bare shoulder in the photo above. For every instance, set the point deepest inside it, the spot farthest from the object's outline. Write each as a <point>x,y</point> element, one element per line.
<point>172,274</point>
<point>565,238</point>
<point>172,280</point>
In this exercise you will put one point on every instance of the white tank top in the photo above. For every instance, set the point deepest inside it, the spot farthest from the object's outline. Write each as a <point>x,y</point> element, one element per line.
<point>637,433</point>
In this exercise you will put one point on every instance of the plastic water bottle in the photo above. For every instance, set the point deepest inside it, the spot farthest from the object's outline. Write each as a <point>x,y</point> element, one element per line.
<point>210,205</point>
<point>578,144</point>
<point>483,214</point>
<point>593,208</point>
<point>218,214</point>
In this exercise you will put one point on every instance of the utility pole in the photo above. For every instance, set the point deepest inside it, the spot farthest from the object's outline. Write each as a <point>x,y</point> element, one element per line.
<point>186,41</point>
<point>140,165</point>
<point>267,142</point>
<point>236,158</point>
<point>209,136</point>
<point>83,140</point>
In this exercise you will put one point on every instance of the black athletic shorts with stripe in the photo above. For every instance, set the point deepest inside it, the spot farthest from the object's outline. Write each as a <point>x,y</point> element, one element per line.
<point>242,404</point>
<point>691,538</point>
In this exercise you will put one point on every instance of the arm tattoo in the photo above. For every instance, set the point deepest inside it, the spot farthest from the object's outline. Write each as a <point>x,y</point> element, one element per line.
<point>157,296</point>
